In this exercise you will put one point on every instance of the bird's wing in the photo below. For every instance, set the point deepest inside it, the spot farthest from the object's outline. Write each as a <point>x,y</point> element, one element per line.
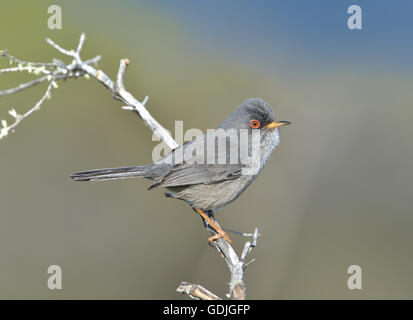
<point>183,173</point>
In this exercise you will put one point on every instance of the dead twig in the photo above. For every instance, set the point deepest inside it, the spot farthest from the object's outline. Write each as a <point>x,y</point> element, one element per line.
<point>236,265</point>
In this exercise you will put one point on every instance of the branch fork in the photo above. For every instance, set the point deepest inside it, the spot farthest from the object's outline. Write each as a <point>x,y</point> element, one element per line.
<point>236,266</point>
<point>57,70</point>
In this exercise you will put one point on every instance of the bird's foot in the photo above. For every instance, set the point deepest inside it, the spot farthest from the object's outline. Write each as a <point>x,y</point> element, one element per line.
<point>217,236</point>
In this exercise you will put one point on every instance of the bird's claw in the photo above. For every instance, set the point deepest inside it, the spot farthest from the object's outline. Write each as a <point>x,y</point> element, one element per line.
<point>217,236</point>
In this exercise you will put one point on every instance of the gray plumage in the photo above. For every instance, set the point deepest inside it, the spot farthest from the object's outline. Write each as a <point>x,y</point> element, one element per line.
<point>191,179</point>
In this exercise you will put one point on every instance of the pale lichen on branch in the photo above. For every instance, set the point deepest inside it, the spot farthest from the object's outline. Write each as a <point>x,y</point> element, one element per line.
<point>52,72</point>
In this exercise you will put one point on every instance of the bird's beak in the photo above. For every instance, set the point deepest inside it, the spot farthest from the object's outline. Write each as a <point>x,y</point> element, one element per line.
<point>276,124</point>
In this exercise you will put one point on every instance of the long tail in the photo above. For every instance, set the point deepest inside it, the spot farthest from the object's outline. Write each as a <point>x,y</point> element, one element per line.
<point>114,173</point>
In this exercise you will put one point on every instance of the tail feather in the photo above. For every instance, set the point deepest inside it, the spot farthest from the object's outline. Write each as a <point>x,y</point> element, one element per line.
<point>112,173</point>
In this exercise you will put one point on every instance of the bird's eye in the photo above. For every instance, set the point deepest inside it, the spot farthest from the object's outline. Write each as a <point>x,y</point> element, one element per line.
<point>255,124</point>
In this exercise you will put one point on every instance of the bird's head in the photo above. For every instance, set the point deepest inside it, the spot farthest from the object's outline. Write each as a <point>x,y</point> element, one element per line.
<point>253,114</point>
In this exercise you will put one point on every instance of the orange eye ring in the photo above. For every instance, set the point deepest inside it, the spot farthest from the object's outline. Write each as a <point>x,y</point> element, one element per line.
<point>255,124</point>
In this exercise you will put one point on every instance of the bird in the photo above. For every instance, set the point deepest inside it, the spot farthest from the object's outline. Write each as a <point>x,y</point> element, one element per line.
<point>208,187</point>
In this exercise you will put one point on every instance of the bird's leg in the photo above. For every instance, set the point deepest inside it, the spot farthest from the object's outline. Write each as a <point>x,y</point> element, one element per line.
<point>210,214</point>
<point>207,225</point>
<point>217,228</point>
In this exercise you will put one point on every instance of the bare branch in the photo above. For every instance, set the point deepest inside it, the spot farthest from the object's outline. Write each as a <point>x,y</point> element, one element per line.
<point>127,98</point>
<point>53,72</point>
<point>94,60</point>
<point>5,54</point>
<point>121,74</point>
<point>237,288</point>
<point>70,53</point>
<point>29,68</point>
<point>249,245</point>
<point>19,118</point>
<point>81,42</point>
<point>119,92</point>
<point>196,291</point>
<point>23,86</point>
<point>236,266</point>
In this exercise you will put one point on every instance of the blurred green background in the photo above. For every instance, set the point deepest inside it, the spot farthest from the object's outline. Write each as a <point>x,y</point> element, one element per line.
<point>337,191</point>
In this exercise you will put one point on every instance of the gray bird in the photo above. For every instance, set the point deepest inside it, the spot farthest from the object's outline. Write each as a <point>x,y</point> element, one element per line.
<point>208,186</point>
